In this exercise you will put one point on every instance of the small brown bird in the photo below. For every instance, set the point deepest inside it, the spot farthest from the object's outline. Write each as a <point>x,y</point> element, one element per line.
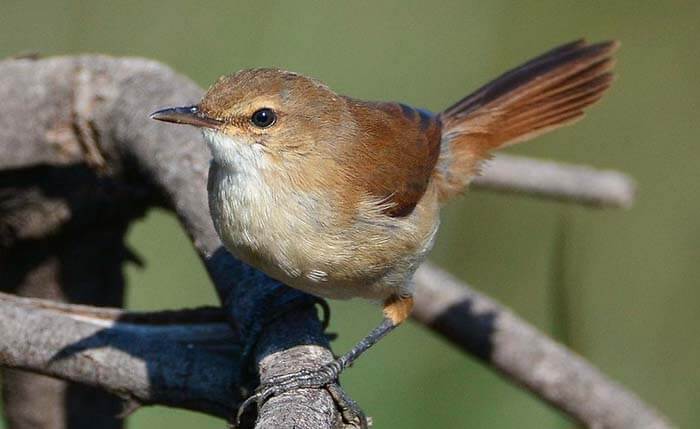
<point>340,197</point>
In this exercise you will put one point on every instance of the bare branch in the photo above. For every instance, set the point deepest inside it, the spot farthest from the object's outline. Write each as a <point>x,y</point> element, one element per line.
<point>93,110</point>
<point>554,180</point>
<point>483,328</point>
<point>113,99</point>
<point>187,359</point>
<point>40,257</point>
<point>83,344</point>
<point>190,362</point>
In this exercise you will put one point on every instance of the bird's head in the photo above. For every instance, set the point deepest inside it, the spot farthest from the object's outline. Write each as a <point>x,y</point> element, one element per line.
<point>269,112</point>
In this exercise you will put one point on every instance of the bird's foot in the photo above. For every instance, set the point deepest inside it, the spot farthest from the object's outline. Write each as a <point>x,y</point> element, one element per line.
<point>276,304</point>
<point>324,377</point>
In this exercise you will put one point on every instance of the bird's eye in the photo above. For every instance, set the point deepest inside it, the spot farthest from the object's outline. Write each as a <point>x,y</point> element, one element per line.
<point>263,118</point>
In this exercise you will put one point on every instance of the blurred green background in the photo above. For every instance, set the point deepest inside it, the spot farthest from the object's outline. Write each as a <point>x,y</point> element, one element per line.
<point>619,287</point>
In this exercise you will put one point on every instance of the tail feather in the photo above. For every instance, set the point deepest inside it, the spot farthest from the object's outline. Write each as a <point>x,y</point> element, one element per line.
<point>545,93</point>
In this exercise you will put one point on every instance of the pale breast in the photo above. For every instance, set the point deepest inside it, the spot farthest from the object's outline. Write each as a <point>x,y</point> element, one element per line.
<point>294,236</point>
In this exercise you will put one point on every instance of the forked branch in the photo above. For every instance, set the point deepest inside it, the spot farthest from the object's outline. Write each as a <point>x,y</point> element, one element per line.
<point>92,111</point>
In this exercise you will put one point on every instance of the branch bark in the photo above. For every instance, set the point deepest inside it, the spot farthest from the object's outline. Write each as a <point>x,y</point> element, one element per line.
<point>64,272</point>
<point>557,181</point>
<point>195,355</point>
<point>517,350</point>
<point>92,110</point>
<point>84,267</point>
<point>186,359</point>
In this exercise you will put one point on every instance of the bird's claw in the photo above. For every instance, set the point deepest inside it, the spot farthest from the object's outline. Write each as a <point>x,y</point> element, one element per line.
<point>324,376</point>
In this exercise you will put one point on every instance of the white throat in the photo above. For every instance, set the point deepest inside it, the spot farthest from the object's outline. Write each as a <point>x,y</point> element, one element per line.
<point>236,155</point>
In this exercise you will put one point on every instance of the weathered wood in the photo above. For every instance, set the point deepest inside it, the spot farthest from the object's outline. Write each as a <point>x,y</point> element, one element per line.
<point>493,333</point>
<point>93,111</point>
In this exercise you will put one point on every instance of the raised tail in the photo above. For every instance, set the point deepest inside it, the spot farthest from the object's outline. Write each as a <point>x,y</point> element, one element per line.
<point>543,94</point>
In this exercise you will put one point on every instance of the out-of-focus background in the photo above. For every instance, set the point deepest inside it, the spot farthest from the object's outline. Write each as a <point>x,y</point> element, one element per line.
<point>620,287</point>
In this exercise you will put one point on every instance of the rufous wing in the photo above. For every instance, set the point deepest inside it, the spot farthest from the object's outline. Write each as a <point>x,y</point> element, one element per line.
<point>398,149</point>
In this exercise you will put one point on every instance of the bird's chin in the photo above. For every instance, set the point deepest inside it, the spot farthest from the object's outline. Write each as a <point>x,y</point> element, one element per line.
<point>228,150</point>
<point>220,145</point>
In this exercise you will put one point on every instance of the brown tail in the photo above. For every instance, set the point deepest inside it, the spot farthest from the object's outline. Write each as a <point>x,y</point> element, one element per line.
<point>543,94</point>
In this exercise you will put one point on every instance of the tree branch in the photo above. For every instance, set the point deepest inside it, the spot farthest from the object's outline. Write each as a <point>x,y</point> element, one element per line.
<point>186,359</point>
<point>93,110</point>
<point>557,181</point>
<point>196,354</point>
<point>517,350</point>
<point>41,257</point>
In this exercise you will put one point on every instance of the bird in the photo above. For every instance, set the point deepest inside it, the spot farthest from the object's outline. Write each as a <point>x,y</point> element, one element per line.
<point>341,197</point>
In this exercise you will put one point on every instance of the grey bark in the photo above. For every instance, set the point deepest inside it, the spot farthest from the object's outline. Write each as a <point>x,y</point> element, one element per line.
<point>554,180</point>
<point>90,113</point>
<point>185,359</point>
<point>518,351</point>
<point>83,269</point>
<point>195,357</point>
<point>93,111</point>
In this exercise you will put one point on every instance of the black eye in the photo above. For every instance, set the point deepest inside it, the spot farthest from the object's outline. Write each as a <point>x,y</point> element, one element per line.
<point>263,118</point>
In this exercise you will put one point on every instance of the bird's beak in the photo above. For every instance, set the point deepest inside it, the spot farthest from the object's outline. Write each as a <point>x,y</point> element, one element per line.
<point>190,115</point>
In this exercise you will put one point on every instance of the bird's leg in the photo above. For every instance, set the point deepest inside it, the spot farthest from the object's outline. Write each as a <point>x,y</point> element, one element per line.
<point>396,310</point>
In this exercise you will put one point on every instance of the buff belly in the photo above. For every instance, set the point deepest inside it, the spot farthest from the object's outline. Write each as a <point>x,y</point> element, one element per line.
<point>285,234</point>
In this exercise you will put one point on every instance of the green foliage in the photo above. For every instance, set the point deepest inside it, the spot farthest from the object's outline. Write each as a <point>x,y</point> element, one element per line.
<point>627,280</point>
